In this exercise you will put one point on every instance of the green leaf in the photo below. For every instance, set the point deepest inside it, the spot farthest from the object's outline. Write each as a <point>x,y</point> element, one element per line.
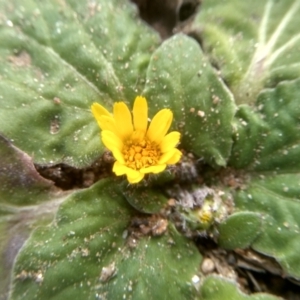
<point>89,252</point>
<point>179,77</point>
<point>267,138</point>
<point>267,142</point>
<point>57,58</point>
<point>20,185</point>
<point>154,265</point>
<point>239,230</point>
<point>218,288</point>
<point>145,199</point>
<point>277,199</point>
<point>87,228</point>
<point>252,43</point>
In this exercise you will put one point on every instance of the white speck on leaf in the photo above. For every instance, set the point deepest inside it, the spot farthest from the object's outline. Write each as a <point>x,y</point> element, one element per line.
<point>108,272</point>
<point>9,23</point>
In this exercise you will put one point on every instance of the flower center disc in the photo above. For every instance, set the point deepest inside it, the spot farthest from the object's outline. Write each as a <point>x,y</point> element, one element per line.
<point>140,153</point>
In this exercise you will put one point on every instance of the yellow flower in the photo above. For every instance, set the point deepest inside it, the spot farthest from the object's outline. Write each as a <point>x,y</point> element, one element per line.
<point>139,149</point>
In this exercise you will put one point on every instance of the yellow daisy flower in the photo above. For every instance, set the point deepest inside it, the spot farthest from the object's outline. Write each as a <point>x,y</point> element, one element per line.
<point>139,149</point>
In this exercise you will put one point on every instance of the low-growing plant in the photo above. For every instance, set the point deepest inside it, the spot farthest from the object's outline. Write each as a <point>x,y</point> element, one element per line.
<point>196,157</point>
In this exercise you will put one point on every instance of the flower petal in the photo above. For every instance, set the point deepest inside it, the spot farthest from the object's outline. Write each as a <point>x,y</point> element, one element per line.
<point>111,140</point>
<point>133,176</point>
<point>140,114</point>
<point>135,179</point>
<point>119,168</point>
<point>138,135</point>
<point>153,169</point>
<point>175,158</point>
<point>167,156</point>
<point>160,125</point>
<point>170,141</point>
<point>123,120</point>
<point>98,110</point>
<point>107,123</point>
<point>118,155</point>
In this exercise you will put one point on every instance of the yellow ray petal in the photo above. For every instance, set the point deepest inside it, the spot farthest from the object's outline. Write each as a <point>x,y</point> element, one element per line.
<point>132,173</point>
<point>138,135</point>
<point>98,110</point>
<point>153,169</point>
<point>118,155</point>
<point>119,169</point>
<point>135,179</point>
<point>175,158</point>
<point>160,125</point>
<point>111,140</point>
<point>140,114</point>
<point>107,123</point>
<point>167,156</point>
<point>133,176</point>
<point>123,120</point>
<point>170,141</point>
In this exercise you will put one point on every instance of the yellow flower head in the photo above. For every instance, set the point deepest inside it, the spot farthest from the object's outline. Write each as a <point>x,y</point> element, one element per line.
<point>137,148</point>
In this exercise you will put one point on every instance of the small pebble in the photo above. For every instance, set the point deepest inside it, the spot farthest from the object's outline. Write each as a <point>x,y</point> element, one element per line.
<point>207,266</point>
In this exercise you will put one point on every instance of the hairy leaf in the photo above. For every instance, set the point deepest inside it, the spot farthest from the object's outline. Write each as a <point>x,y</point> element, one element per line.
<point>253,43</point>
<point>180,77</point>
<point>276,198</point>
<point>218,288</point>
<point>57,58</point>
<point>89,252</point>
